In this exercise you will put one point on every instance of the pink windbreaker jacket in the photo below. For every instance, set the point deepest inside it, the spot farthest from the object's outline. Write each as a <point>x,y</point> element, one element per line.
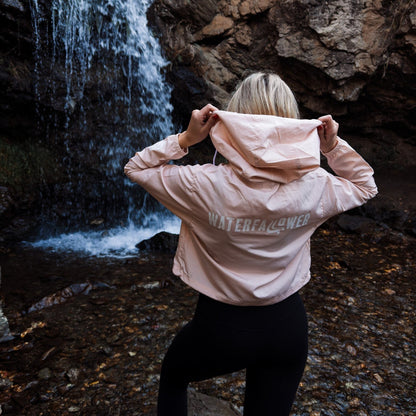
<point>246,225</point>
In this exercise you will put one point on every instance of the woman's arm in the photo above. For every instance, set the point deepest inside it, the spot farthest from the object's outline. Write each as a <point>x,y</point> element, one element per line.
<point>354,183</point>
<point>170,184</point>
<point>328,133</point>
<point>158,154</point>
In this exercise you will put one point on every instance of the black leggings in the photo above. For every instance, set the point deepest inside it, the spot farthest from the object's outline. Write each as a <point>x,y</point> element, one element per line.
<point>270,342</point>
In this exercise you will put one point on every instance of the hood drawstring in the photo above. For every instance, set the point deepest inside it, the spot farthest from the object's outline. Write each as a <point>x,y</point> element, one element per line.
<point>215,155</point>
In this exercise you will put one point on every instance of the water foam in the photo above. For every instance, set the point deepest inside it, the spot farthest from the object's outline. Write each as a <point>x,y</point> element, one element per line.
<point>119,242</point>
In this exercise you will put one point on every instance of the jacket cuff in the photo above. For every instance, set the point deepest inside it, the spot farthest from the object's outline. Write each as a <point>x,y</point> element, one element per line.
<point>335,149</point>
<point>173,144</point>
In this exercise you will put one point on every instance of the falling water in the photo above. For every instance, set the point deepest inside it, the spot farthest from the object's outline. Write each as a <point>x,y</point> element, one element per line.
<point>115,100</point>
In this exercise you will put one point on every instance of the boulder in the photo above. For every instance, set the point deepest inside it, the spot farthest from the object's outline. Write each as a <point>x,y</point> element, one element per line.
<point>355,223</point>
<point>162,242</point>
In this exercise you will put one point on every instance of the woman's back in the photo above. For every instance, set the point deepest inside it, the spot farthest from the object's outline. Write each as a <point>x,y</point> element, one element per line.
<point>246,225</point>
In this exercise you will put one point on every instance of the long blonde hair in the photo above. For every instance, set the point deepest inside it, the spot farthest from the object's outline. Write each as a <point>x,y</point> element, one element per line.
<point>264,93</point>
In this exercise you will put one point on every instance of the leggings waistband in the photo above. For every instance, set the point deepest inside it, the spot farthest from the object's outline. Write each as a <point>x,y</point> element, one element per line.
<point>258,317</point>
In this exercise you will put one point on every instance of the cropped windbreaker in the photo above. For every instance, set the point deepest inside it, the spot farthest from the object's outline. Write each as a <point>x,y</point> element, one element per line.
<point>246,224</point>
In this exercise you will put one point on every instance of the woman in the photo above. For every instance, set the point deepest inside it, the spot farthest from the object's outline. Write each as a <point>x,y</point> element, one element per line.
<point>244,239</point>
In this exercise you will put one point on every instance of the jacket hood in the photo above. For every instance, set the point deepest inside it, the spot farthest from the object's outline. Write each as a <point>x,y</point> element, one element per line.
<point>267,147</point>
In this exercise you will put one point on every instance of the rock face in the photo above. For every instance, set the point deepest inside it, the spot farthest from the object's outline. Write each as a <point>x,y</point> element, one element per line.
<point>17,107</point>
<point>353,59</point>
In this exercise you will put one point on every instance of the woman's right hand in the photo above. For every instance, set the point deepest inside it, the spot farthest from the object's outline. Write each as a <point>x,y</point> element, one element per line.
<point>328,133</point>
<point>199,126</point>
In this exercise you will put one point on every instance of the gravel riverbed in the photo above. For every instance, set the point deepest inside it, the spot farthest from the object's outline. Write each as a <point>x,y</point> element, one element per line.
<point>99,352</point>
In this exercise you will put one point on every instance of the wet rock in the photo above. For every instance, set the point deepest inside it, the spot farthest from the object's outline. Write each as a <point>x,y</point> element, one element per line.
<point>17,229</point>
<point>204,405</point>
<point>5,383</point>
<point>5,334</point>
<point>45,373</point>
<point>66,293</point>
<point>17,115</point>
<point>73,375</point>
<point>162,242</point>
<point>378,378</point>
<point>6,200</point>
<point>351,350</point>
<point>200,404</point>
<point>355,223</point>
<point>15,4</point>
<point>31,384</point>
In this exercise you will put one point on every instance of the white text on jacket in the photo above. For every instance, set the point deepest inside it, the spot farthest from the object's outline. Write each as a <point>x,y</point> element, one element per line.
<point>247,225</point>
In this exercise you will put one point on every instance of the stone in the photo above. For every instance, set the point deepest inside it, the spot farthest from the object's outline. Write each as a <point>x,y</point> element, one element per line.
<point>6,200</point>
<point>162,242</point>
<point>355,223</point>
<point>45,373</point>
<point>230,8</point>
<point>204,405</point>
<point>200,404</point>
<point>250,7</point>
<point>220,25</point>
<point>5,334</point>
<point>244,36</point>
<point>73,375</point>
<point>5,383</point>
<point>15,4</point>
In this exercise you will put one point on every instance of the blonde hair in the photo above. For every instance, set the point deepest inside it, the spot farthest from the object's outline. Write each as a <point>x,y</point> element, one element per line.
<point>264,93</point>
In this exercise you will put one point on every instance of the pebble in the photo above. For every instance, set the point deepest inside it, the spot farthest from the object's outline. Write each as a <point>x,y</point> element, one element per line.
<point>73,374</point>
<point>45,374</point>
<point>351,350</point>
<point>355,402</point>
<point>378,378</point>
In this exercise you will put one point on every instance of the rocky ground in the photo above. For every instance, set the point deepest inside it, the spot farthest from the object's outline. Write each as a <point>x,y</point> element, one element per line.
<point>99,353</point>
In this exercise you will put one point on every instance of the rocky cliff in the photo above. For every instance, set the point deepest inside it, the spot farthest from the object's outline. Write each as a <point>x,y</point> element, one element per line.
<point>17,108</point>
<point>354,59</point>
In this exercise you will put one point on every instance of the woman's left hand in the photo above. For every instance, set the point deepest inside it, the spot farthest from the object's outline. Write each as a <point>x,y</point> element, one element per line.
<point>199,126</point>
<point>328,133</point>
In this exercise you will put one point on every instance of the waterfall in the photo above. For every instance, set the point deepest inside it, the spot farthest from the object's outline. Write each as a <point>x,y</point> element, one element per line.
<point>105,78</point>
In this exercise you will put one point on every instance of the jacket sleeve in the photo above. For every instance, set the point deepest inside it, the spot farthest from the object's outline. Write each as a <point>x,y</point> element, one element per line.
<point>169,184</point>
<point>354,183</point>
